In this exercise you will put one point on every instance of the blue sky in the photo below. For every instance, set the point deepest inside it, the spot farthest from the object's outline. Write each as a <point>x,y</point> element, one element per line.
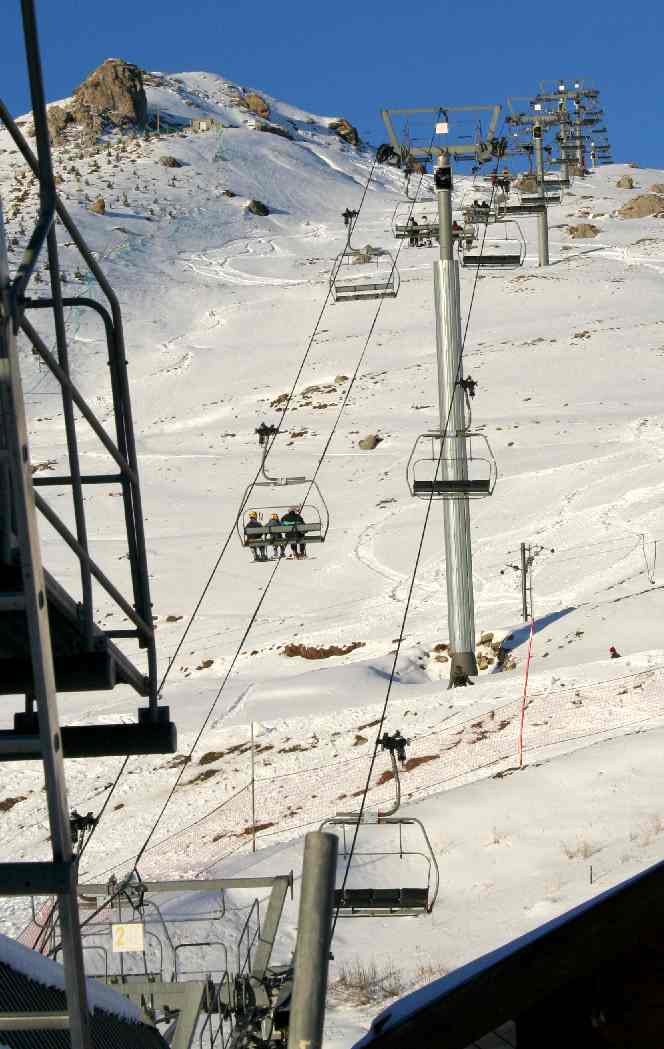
<point>350,57</point>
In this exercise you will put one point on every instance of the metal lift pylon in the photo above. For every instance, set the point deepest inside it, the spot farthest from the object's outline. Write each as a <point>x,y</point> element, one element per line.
<point>57,877</point>
<point>49,641</point>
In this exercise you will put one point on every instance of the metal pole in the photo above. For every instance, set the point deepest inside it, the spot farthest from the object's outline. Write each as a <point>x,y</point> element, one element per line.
<point>542,217</point>
<point>13,421</point>
<point>312,951</point>
<point>530,582</point>
<point>524,588</point>
<point>253,792</point>
<point>454,462</point>
<point>580,150</point>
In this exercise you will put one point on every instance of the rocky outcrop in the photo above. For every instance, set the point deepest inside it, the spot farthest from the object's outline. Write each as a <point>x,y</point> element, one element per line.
<point>368,443</point>
<point>657,187</point>
<point>256,207</point>
<point>273,129</point>
<point>641,207</point>
<point>170,162</point>
<point>625,182</point>
<point>584,231</point>
<point>345,131</point>
<point>112,94</point>
<point>98,206</point>
<point>255,103</point>
<point>58,118</point>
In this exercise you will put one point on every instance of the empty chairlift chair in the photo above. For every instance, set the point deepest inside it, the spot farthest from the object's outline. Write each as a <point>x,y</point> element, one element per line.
<point>363,274</point>
<point>406,878</point>
<point>259,521</point>
<point>448,473</point>
<point>504,247</point>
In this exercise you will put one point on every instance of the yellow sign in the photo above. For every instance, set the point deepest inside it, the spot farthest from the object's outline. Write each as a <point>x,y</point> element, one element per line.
<point>127,936</point>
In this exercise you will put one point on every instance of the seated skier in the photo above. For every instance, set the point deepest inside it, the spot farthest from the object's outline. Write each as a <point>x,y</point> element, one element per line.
<point>294,517</point>
<point>277,537</point>
<point>254,528</point>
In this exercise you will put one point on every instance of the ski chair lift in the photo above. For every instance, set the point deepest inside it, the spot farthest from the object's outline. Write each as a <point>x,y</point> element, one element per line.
<point>478,207</point>
<point>256,526</point>
<point>551,194</point>
<point>431,473</point>
<point>505,248</point>
<point>352,827</point>
<point>425,214</point>
<point>362,274</point>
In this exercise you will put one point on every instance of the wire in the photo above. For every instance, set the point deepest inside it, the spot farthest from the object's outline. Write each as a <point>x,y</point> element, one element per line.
<point>412,581</point>
<point>229,537</point>
<point>271,441</point>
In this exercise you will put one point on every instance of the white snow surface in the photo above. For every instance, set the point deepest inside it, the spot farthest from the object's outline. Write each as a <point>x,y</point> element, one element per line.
<point>218,306</point>
<point>51,974</point>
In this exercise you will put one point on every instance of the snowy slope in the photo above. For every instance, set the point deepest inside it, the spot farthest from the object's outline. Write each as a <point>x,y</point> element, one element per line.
<point>219,305</point>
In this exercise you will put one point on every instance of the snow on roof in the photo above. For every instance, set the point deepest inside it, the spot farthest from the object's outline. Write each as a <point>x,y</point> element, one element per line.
<point>51,974</point>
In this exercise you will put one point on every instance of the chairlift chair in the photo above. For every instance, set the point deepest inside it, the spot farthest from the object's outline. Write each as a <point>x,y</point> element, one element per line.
<point>387,900</point>
<point>425,213</point>
<point>362,274</point>
<point>432,474</point>
<point>258,531</point>
<point>504,248</point>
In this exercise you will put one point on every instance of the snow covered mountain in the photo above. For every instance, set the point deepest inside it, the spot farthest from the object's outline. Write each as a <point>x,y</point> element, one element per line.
<point>219,304</point>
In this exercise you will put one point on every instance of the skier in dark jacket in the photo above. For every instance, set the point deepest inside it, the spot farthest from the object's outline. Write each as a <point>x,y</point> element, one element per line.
<point>294,517</point>
<point>413,232</point>
<point>614,653</point>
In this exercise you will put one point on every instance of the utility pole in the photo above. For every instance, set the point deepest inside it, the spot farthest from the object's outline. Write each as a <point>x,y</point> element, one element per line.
<point>314,933</point>
<point>454,462</point>
<point>542,217</point>
<point>524,583</point>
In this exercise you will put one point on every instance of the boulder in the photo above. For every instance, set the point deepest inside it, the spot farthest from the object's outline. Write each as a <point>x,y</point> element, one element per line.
<point>486,638</point>
<point>584,231</point>
<point>641,207</point>
<point>170,162</point>
<point>256,207</point>
<point>114,94</point>
<point>345,131</point>
<point>255,103</point>
<point>58,119</point>
<point>371,441</point>
<point>273,129</point>
<point>657,187</point>
<point>98,206</point>
<point>228,193</point>
<point>625,182</point>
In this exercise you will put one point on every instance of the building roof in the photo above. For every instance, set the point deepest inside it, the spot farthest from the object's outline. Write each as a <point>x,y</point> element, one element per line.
<point>31,983</point>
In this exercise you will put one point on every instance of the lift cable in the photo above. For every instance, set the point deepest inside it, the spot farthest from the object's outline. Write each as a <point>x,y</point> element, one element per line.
<point>269,447</point>
<point>411,587</point>
<point>229,537</point>
<point>278,562</point>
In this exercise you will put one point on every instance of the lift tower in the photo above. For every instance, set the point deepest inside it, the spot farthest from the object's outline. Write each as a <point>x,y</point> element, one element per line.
<point>453,459</point>
<point>449,459</point>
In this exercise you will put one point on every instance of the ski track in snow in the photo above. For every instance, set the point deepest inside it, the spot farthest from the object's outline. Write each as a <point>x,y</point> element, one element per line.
<point>220,305</point>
